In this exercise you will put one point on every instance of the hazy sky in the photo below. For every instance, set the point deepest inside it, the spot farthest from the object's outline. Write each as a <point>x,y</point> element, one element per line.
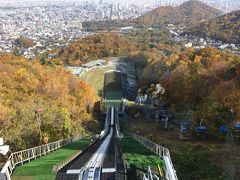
<point>130,1</point>
<point>233,4</point>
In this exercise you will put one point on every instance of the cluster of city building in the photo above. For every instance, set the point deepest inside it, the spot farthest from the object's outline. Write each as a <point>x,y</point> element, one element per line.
<point>54,24</point>
<point>140,5</point>
<point>49,28</point>
<point>224,5</point>
<point>199,42</point>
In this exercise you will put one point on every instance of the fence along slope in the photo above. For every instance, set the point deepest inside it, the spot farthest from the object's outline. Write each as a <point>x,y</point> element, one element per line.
<point>20,157</point>
<point>161,151</point>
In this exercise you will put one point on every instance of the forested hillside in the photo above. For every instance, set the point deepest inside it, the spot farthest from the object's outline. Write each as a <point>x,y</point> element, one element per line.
<point>225,28</point>
<point>189,13</point>
<point>94,47</point>
<point>205,82</point>
<point>63,102</point>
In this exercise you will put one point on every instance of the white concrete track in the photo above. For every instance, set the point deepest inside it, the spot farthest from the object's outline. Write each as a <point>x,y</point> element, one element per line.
<point>99,155</point>
<point>91,168</point>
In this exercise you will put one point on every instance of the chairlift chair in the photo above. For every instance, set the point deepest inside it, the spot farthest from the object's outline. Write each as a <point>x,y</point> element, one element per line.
<point>201,130</point>
<point>237,126</point>
<point>223,129</point>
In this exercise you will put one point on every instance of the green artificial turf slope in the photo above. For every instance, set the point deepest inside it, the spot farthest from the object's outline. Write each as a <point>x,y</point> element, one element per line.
<point>139,156</point>
<point>41,168</point>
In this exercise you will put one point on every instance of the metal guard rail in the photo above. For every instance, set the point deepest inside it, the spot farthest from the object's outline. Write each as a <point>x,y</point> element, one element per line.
<point>157,149</point>
<point>20,157</point>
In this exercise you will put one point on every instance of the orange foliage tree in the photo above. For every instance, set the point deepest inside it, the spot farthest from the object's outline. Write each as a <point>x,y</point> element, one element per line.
<point>66,102</point>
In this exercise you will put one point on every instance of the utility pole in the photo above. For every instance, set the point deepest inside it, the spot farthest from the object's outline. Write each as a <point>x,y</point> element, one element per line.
<point>232,111</point>
<point>38,118</point>
<point>166,123</point>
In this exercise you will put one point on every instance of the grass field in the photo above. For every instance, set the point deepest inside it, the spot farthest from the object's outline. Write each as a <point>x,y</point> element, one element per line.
<point>41,168</point>
<point>113,95</point>
<point>115,103</point>
<point>139,156</point>
<point>113,86</point>
<point>113,90</point>
<point>95,78</point>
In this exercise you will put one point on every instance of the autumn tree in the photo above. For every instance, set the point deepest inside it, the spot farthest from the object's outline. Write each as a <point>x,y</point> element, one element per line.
<point>66,102</point>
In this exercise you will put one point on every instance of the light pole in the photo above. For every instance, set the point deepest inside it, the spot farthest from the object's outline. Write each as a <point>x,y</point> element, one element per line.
<point>38,118</point>
<point>232,111</point>
<point>200,124</point>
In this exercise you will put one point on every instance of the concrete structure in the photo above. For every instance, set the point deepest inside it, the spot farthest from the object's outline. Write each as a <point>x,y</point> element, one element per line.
<point>92,64</point>
<point>76,70</point>
<point>3,148</point>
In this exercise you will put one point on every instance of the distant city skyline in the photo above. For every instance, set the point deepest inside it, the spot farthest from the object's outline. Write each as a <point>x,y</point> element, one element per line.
<point>59,22</point>
<point>112,1</point>
<point>224,5</point>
